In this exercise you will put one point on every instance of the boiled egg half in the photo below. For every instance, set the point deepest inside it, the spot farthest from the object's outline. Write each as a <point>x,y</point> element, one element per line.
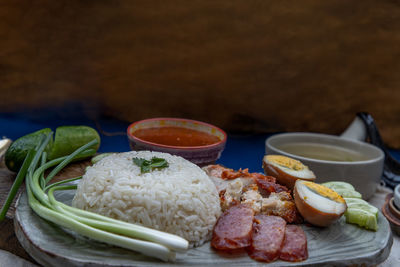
<point>318,204</point>
<point>286,170</point>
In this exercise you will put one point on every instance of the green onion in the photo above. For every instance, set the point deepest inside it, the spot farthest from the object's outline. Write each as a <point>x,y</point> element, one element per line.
<point>62,182</point>
<point>43,161</point>
<point>116,226</point>
<point>60,218</point>
<point>134,237</point>
<point>17,183</point>
<point>68,159</point>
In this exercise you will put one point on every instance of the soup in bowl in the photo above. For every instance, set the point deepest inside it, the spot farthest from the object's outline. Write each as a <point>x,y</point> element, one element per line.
<point>333,158</point>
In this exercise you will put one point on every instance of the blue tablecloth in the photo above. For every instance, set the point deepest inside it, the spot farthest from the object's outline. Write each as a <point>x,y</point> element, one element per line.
<point>241,151</point>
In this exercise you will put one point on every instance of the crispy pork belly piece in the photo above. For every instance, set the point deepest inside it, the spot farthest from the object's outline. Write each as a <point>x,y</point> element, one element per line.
<point>232,174</point>
<point>294,247</point>
<point>281,204</point>
<point>226,173</point>
<point>268,185</point>
<point>237,192</point>
<point>222,176</point>
<point>261,192</point>
<point>233,228</point>
<point>232,194</point>
<point>267,238</point>
<point>278,204</point>
<point>214,170</point>
<point>252,197</point>
<point>219,174</point>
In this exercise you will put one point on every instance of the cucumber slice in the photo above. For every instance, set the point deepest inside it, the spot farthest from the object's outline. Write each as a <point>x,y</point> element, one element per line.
<point>339,184</point>
<point>362,213</point>
<point>344,189</point>
<point>356,203</point>
<point>362,218</point>
<point>348,193</point>
<point>358,211</point>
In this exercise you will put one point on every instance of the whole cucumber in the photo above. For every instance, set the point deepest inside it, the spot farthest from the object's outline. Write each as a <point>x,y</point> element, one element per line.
<point>67,139</point>
<point>18,149</point>
<point>70,138</point>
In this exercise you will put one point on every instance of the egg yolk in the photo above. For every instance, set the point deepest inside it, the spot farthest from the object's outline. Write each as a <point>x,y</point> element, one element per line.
<point>324,191</point>
<point>286,162</point>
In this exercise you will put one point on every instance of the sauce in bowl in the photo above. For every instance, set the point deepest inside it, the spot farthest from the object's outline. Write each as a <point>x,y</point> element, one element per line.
<point>197,141</point>
<point>176,136</point>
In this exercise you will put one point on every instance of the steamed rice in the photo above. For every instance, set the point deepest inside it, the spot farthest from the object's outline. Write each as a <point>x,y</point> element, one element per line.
<point>179,199</point>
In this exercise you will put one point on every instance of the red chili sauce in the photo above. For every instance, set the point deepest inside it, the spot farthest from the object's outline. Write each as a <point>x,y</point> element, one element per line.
<point>176,136</point>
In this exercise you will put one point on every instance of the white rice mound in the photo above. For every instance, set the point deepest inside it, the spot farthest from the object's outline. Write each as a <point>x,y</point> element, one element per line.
<point>180,199</point>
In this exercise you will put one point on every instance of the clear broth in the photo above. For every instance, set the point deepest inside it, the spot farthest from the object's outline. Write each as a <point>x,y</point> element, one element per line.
<point>322,152</point>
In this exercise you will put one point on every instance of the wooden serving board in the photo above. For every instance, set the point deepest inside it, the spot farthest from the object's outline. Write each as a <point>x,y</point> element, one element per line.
<point>339,245</point>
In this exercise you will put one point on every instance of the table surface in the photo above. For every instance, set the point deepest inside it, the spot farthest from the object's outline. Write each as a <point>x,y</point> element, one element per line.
<point>242,151</point>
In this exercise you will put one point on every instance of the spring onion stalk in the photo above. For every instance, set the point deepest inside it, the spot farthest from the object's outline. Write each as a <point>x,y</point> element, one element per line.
<point>171,241</point>
<point>36,189</point>
<point>68,159</point>
<point>46,188</point>
<point>62,162</point>
<point>134,237</point>
<point>43,161</point>
<point>147,248</point>
<point>28,165</point>
<point>17,183</point>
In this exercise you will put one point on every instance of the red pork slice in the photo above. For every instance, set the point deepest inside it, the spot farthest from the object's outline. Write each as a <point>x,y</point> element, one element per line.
<point>233,228</point>
<point>294,245</point>
<point>267,238</point>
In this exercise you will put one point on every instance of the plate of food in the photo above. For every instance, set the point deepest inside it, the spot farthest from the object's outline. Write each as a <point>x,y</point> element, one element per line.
<point>229,217</point>
<point>146,208</point>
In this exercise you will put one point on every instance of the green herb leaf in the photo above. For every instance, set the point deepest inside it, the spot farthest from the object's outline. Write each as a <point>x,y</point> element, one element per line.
<point>150,165</point>
<point>139,162</point>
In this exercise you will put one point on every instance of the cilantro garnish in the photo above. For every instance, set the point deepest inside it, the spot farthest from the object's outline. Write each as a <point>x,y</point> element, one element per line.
<point>150,165</point>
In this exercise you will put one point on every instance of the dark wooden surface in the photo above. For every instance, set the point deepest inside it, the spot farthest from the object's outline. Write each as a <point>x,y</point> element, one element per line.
<point>243,65</point>
<point>8,239</point>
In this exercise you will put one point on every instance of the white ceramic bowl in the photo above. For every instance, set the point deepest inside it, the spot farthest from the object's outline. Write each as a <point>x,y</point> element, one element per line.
<point>364,174</point>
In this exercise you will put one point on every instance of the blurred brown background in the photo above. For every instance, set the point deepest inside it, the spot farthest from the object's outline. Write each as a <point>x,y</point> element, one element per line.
<point>259,66</point>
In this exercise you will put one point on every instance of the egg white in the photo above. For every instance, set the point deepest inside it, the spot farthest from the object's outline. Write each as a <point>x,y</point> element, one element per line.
<point>305,173</point>
<point>319,202</point>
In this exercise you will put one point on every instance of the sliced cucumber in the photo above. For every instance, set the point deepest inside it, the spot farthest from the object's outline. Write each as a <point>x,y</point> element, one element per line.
<point>339,185</point>
<point>362,218</point>
<point>344,189</point>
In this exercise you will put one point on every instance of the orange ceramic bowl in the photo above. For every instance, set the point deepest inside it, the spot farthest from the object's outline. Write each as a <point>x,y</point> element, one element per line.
<point>199,154</point>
